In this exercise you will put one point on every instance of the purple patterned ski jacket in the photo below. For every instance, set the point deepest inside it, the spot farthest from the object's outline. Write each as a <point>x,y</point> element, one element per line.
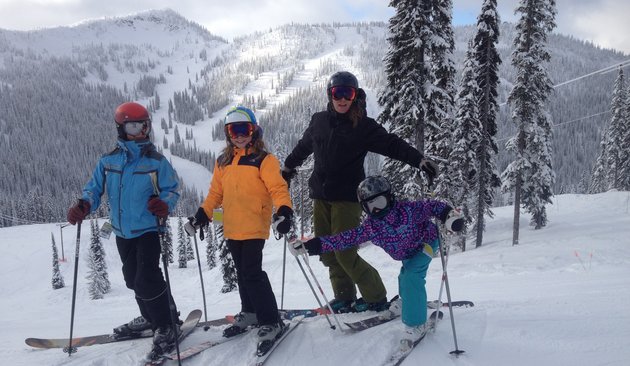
<point>401,233</point>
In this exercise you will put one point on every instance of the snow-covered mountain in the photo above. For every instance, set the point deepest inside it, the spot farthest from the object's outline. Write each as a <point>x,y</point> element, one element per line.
<point>559,298</point>
<point>62,84</point>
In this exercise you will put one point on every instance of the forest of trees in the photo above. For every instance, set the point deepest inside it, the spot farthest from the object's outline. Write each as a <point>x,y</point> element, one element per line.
<point>56,110</point>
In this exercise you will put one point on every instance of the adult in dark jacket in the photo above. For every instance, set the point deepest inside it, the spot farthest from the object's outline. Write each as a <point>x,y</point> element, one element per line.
<point>340,137</point>
<point>140,184</point>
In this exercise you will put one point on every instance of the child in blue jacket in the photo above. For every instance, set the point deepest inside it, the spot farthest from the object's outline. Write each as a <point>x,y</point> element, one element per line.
<point>405,231</point>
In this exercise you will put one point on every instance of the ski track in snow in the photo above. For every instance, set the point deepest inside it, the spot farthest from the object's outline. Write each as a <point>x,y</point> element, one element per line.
<point>558,298</point>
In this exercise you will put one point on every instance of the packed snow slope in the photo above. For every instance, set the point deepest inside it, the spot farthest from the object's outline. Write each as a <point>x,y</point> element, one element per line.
<point>560,297</point>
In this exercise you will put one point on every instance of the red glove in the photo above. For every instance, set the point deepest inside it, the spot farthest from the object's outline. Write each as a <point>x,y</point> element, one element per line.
<point>78,212</point>
<point>158,207</point>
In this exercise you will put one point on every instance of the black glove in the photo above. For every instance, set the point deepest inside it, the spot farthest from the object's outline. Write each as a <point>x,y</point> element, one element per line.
<point>430,168</point>
<point>200,219</point>
<point>78,212</point>
<point>283,219</point>
<point>288,174</point>
<point>313,246</point>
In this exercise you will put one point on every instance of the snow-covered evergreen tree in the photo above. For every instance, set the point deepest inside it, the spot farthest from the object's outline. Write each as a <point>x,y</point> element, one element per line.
<point>97,276</point>
<point>190,252</point>
<point>211,248</point>
<point>599,182</point>
<point>530,175</point>
<point>405,96</point>
<point>167,243</point>
<point>440,109</point>
<point>227,263</point>
<point>57,278</point>
<point>617,130</point>
<point>462,167</point>
<point>182,244</point>
<point>487,62</point>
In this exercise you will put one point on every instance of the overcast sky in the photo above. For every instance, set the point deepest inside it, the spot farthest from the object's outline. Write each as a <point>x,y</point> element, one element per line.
<point>604,22</point>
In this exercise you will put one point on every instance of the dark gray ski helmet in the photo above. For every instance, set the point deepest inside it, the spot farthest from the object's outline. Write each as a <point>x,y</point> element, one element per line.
<point>375,195</point>
<point>341,78</point>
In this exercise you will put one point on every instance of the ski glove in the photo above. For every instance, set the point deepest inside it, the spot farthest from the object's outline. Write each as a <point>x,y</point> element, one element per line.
<point>430,168</point>
<point>200,219</point>
<point>78,212</point>
<point>288,174</point>
<point>455,220</point>
<point>283,220</point>
<point>312,246</point>
<point>157,207</point>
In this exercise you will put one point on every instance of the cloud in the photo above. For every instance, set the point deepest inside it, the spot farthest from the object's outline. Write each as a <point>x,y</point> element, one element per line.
<point>600,21</point>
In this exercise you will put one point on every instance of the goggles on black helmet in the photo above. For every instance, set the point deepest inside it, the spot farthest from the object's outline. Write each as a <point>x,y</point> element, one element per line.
<point>375,205</point>
<point>343,92</point>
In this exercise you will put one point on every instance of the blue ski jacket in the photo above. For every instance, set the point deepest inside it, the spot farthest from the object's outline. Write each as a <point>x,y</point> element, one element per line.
<point>130,175</point>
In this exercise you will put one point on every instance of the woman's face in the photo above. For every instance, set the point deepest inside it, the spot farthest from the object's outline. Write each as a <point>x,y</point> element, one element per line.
<point>241,141</point>
<point>342,105</point>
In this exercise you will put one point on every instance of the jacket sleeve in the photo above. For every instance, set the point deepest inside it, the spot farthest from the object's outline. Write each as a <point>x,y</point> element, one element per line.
<point>380,141</point>
<point>348,238</point>
<point>302,150</point>
<point>435,208</point>
<point>215,192</point>
<point>168,184</point>
<point>93,190</point>
<point>276,185</point>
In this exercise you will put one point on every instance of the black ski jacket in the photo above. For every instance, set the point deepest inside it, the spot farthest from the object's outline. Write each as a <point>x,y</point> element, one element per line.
<point>339,152</point>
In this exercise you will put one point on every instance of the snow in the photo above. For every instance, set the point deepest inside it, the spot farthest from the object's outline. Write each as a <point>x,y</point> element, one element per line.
<point>558,298</point>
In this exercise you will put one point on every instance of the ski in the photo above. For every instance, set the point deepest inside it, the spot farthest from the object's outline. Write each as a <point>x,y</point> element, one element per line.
<point>189,325</point>
<point>383,318</point>
<point>260,359</point>
<point>84,341</point>
<point>456,304</point>
<point>198,348</point>
<point>399,356</point>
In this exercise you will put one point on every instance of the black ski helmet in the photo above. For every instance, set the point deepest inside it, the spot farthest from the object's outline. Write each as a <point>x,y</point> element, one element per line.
<point>370,189</point>
<point>341,78</point>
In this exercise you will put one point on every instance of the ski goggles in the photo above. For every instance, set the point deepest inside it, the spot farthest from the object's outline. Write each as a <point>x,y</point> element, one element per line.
<point>343,92</point>
<point>135,128</point>
<point>375,205</point>
<point>240,129</point>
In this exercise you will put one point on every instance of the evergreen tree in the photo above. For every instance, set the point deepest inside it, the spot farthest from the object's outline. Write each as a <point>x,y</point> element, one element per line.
<point>190,252</point>
<point>466,139</point>
<point>530,175</point>
<point>440,109</point>
<point>97,276</point>
<point>405,98</point>
<point>487,62</point>
<point>227,263</point>
<point>182,239</point>
<point>211,248</point>
<point>168,243</point>
<point>617,130</point>
<point>57,279</point>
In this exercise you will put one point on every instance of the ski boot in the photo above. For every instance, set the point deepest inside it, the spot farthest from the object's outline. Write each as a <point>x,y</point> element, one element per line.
<point>132,329</point>
<point>164,339</point>
<point>267,337</point>
<point>361,305</point>
<point>242,320</point>
<point>341,306</point>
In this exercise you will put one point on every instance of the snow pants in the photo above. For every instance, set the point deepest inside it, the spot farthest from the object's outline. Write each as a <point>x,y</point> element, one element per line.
<point>411,285</point>
<point>346,268</point>
<point>253,284</point>
<point>140,258</point>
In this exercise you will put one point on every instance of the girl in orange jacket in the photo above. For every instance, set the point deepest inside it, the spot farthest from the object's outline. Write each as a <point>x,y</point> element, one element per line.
<point>247,183</point>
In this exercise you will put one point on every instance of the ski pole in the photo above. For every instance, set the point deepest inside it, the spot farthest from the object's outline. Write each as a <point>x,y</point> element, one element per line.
<point>313,290</point>
<point>284,266</point>
<point>70,350</point>
<point>203,291</point>
<point>321,291</point>
<point>439,301</point>
<point>161,223</point>
<point>457,351</point>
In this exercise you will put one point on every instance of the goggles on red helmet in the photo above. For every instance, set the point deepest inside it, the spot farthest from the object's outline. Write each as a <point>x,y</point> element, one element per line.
<point>245,129</point>
<point>343,92</point>
<point>135,128</point>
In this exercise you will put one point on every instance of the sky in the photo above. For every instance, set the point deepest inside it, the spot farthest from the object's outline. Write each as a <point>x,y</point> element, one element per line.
<point>600,21</point>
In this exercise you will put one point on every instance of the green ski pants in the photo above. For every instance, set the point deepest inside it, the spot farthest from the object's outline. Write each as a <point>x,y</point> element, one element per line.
<point>346,268</point>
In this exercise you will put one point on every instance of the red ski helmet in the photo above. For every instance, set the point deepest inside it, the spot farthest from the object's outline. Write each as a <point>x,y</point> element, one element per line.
<point>132,112</point>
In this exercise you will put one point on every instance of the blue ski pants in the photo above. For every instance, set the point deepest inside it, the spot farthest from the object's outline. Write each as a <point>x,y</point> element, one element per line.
<point>411,285</point>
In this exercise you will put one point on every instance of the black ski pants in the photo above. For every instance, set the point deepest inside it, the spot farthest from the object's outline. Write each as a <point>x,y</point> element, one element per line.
<point>140,258</point>
<point>253,283</point>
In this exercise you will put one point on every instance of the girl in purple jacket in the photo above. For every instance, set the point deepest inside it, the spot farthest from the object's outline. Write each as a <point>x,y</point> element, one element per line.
<point>405,231</point>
